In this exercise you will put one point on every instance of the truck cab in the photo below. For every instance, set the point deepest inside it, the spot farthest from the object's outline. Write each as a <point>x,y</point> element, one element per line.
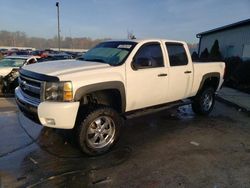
<point>158,68</point>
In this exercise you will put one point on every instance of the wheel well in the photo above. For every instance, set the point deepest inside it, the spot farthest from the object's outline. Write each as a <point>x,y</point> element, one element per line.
<point>211,82</point>
<point>107,97</point>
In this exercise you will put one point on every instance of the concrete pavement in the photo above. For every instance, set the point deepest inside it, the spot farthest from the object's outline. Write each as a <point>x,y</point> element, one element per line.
<point>236,98</point>
<point>173,148</point>
<point>7,104</point>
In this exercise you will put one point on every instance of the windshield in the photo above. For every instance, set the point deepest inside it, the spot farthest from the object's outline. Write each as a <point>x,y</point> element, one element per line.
<point>11,62</point>
<point>113,53</point>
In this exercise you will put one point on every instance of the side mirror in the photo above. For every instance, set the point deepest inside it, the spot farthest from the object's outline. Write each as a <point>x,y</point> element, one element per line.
<point>141,63</point>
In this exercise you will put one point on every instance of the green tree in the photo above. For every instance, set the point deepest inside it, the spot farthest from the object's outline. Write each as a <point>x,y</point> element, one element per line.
<point>215,53</point>
<point>204,55</point>
<point>195,56</point>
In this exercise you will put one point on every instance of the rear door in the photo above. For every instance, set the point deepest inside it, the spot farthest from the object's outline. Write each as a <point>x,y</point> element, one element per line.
<point>180,71</point>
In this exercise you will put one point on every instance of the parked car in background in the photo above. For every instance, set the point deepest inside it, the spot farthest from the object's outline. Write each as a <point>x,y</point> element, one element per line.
<point>17,53</point>
<point>40,53</point>
<point>53,57</point>
<point>1,55</point>
<point>3,51</point>
<point>10,62</point>
<point>9,67</point>
<point>75,54</point>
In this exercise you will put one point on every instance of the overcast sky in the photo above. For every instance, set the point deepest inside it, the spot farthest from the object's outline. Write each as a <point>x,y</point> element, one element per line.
<point>171,19</point>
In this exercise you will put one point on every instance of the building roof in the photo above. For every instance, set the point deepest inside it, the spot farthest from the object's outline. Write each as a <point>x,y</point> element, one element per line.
<point>226,27</point>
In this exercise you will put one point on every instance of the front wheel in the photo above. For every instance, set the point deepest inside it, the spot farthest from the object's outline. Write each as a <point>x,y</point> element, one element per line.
<point>99,130</point>
<point>203,103</point>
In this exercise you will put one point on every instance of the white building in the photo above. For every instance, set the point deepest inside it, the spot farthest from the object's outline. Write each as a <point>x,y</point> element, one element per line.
<point>234,39</point>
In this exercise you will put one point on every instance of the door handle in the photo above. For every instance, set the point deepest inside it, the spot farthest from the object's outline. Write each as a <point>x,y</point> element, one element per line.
<point>188,72</point>
<point>163,74</point>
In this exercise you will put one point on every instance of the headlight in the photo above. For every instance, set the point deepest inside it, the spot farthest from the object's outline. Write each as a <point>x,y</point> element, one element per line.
<point>58,91</point>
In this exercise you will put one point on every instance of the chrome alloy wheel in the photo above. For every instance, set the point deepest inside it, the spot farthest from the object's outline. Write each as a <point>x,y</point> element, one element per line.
<point>101,132</point>
<point>207,101</point>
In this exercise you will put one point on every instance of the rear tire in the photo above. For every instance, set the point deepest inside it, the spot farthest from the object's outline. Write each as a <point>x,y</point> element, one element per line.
<point>203,102</point>
<point>99,130</point>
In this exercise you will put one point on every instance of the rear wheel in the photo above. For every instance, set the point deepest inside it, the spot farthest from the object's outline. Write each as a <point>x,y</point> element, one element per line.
<point>204,102</point>
<point>99,131</point>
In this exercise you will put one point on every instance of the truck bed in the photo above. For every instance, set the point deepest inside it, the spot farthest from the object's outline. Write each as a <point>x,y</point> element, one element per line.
<point>202,68</point>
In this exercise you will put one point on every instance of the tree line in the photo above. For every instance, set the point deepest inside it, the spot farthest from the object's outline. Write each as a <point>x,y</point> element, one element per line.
<point>20,39</point>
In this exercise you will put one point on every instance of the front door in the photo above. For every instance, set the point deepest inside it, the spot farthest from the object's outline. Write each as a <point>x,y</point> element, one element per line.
<point>147,79</point>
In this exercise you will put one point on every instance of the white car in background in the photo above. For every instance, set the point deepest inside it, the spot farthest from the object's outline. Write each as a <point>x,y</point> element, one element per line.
<point>9,63</point>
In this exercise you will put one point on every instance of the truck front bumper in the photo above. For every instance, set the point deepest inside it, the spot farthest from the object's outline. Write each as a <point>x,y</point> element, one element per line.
<point>50,114</point>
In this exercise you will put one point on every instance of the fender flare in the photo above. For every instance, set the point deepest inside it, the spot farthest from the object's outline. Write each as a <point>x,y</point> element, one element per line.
<point>80,92</point>
<point>208,75</point>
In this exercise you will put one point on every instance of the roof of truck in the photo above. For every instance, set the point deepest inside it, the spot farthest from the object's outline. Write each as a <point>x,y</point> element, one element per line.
<point>147,40</point>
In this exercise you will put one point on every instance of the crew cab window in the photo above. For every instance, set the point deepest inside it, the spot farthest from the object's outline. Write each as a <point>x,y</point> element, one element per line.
<point>177,54</point>
<point>149,56</point>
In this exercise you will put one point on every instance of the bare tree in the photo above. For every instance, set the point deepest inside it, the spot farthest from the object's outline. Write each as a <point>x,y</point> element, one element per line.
<point>21,39</point>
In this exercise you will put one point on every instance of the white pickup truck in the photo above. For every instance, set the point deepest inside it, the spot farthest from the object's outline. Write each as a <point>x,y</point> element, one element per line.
<point>94,92</point>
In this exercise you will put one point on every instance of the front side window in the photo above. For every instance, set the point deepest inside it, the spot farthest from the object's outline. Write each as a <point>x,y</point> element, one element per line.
<point>113,53</point>
<point>149,56</point>
<point>177,54</point>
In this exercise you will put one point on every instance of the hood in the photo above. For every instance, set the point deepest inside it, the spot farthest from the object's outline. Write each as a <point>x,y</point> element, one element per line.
<point>62,67</point>
<point>5,71</point>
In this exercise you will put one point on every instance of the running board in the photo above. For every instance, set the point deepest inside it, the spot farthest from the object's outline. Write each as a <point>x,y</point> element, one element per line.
<point>155,109</point>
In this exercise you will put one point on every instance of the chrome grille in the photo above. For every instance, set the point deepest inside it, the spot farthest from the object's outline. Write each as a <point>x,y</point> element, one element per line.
<point>30,88</point>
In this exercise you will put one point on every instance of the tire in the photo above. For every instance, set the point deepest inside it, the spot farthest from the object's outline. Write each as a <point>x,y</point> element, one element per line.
<point>203,102</point>
<point>99,130</point>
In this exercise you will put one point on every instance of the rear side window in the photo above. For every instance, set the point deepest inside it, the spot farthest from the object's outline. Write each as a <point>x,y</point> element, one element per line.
<point>177,54</point>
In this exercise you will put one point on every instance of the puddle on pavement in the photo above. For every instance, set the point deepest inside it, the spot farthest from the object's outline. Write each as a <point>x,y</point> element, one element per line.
<point>12,138</point>
<point>181,113</point>
<point>39,169</point>
<point>62,143</point>
<point>56,142</point>
<point>75,178</point>
<point>185,112</point>
<point>55,159</point>
<point>59,143</point>
<point>36,168</point>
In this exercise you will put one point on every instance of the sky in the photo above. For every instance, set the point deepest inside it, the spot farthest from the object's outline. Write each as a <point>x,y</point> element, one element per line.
<point>168,19</point>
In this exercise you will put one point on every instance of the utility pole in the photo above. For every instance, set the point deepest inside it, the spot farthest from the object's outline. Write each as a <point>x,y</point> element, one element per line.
<point>58,26</point>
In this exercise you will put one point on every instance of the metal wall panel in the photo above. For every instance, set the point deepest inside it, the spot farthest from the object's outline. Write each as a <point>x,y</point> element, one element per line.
<point>231,41</point>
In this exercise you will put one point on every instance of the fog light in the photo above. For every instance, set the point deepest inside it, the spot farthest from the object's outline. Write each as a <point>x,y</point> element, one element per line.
<point>50,121</point>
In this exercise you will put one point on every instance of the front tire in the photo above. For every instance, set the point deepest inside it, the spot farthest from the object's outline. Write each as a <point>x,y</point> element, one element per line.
<point>203,103</point>
<point>99,130</point>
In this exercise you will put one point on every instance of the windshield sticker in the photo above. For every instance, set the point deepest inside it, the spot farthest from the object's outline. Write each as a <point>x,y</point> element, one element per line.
<point>126,46</point>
